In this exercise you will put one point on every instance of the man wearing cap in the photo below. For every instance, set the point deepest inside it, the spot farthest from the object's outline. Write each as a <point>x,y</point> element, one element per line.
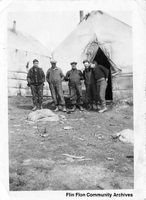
<point>36,79</point>
<point>54,78</point>
<point>101,76</point>
<point>90,84</point>
<point>74,76</point>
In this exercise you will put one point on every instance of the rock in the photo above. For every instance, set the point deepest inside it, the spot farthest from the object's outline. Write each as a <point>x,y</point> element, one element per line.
<point>127,135</point>
<point>100,137</point>
<point>112,124</point>
<point>42,115</point>
<point>62,116</point>
<point>110,159</point>
<point>68,128</point>
<point>70,159</point>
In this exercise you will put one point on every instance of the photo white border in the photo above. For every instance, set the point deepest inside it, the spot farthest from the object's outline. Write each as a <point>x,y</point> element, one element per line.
<point>139,64</point>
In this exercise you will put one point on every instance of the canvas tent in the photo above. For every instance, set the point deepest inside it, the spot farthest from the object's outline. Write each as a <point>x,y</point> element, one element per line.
<point>107,40</point>
<point>22,49</point>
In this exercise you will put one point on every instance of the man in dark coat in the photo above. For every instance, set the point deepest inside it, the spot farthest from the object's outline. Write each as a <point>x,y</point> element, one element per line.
<point>74,76</point>
<point>101,76</point>
<point>54,78</point>
<point>90,85</point>
<point>36,79</point>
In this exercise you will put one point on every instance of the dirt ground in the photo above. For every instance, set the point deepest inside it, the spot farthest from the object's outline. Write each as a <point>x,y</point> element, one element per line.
<point>37,161</point>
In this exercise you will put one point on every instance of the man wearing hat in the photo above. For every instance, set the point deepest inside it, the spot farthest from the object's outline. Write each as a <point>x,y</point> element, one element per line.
<point>54,78</point>
<point>74,76</point>
<point>90,84</point>
<point>36,79</point>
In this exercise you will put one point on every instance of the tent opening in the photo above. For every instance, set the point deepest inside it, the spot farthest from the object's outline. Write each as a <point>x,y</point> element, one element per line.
<point>100,58</point>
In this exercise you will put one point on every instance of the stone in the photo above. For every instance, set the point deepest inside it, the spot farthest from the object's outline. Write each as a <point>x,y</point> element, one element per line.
<point>127,135</point>
<point>42,115</point>
<point>68,127</point>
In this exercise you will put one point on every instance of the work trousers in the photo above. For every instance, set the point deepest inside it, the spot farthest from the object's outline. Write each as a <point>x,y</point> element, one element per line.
<point>91,94</point>
<point>101,90</point>
<point>37,94</point>
<point>76,94</point>
<point>57,94</point>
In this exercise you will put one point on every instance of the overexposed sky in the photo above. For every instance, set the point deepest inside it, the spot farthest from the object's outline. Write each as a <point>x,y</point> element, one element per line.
<point>51,28</point>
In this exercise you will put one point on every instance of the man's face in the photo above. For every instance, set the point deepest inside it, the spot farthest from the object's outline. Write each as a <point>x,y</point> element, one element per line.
<point>53,65</point>
<point>35,64</point>
<point>74,66</point>
<point>92,65</point>
<point>86,64</point>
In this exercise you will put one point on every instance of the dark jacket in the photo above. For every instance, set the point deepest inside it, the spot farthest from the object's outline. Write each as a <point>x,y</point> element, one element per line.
<point>89,76</point>
<point>35,77</point>
<point>100,72</point>
<point>74,76</point>
<point>54,76</point>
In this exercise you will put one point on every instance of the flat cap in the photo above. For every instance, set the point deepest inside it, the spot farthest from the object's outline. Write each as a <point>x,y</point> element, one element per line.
<point>84,61</point>
<point>73,63</point>
<point>53,61</point>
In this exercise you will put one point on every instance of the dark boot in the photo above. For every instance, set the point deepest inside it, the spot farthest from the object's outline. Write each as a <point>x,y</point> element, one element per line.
<point>34,105</point>
<point>90,107</point>
<point>98,106</point>
<point>40,104</point>
<point>73,108</point>
<point>40,107</point>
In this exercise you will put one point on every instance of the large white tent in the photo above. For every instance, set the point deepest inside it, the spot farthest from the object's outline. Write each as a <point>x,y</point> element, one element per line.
<point>22,49</point>
<point>107,40</point>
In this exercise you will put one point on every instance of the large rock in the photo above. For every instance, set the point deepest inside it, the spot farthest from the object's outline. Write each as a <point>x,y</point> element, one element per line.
<point>43,115</point>
<point>127,135</point>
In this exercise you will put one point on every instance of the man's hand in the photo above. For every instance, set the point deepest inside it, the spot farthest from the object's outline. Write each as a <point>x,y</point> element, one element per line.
<point>106,79</point>
<point>28,84</point>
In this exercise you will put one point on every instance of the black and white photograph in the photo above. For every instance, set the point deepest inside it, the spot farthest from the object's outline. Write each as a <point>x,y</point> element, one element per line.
<point>71,108</point>
<point>70,101</point>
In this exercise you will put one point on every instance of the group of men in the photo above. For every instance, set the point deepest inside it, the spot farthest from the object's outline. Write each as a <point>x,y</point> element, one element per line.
<point>95,77</point>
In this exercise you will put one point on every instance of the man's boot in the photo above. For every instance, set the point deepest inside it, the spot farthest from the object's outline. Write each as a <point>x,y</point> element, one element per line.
<point>56,109</point>
<point>98,106</point>
<point>103,109</point>
<point>94,106</point>
<point>90,107</point>
<point>40,106</point>
<point>73,108</point>
<point>64,109</point>
<point>81,108</point>
<point>34,108</point>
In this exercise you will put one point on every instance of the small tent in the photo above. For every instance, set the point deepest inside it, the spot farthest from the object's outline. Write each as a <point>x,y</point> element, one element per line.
<point>22,49</point>
<point>107,40</point>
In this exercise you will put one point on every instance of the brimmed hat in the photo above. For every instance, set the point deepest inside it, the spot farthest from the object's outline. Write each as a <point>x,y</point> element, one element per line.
<point>85,61</point>
<point>35,60</point>
<point>53,61</point>
<point>73,63</point>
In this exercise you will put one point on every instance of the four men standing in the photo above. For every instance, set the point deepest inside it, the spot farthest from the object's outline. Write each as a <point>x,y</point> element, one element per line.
<point>95,78</point>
